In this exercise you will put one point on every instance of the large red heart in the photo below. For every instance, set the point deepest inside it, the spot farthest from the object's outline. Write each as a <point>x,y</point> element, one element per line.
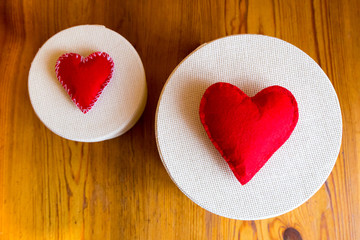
<point>247,130</point>
<point>84,78</point>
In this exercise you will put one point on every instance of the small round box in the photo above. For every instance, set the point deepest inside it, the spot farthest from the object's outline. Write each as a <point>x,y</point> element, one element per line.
<point>119,106</point>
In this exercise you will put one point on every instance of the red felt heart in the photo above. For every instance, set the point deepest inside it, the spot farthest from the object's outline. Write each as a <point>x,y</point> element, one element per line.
<point>84,78</point>
<point>247,130</point>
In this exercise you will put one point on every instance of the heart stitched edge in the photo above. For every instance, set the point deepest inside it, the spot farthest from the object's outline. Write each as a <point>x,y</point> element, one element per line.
<point>84,60</point>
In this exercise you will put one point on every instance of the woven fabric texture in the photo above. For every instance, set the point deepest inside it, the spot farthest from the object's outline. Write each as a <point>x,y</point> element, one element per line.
<point>294,173</point>
<point>119,106</point>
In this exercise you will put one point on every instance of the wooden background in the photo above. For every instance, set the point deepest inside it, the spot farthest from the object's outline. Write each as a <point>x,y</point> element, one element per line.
<point>52,188</point>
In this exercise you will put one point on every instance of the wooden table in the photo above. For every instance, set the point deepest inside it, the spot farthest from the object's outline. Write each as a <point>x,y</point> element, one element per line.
<point>52,188</point>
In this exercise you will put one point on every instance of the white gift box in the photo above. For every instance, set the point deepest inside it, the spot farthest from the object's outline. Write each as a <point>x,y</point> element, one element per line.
<point>119,106</point>
<point>296,170</point>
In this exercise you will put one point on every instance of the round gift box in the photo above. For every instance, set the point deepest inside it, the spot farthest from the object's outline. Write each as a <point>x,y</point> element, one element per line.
<point>295,171</point>
<point>119,106</point>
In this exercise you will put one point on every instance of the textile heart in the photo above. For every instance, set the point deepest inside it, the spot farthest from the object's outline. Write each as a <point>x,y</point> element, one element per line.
<point>84,78</point>
<point>247,130</point>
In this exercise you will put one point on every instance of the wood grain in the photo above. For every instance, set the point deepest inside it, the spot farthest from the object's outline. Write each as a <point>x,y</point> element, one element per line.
<point>52,188</point>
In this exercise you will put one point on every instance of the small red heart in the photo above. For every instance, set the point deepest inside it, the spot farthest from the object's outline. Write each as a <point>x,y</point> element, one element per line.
<point>84,78</point>
<point>247,130</point>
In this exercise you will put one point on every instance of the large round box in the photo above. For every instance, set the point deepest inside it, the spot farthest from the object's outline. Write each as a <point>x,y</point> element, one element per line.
<point>294,173</point>
<point>119,106</point>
